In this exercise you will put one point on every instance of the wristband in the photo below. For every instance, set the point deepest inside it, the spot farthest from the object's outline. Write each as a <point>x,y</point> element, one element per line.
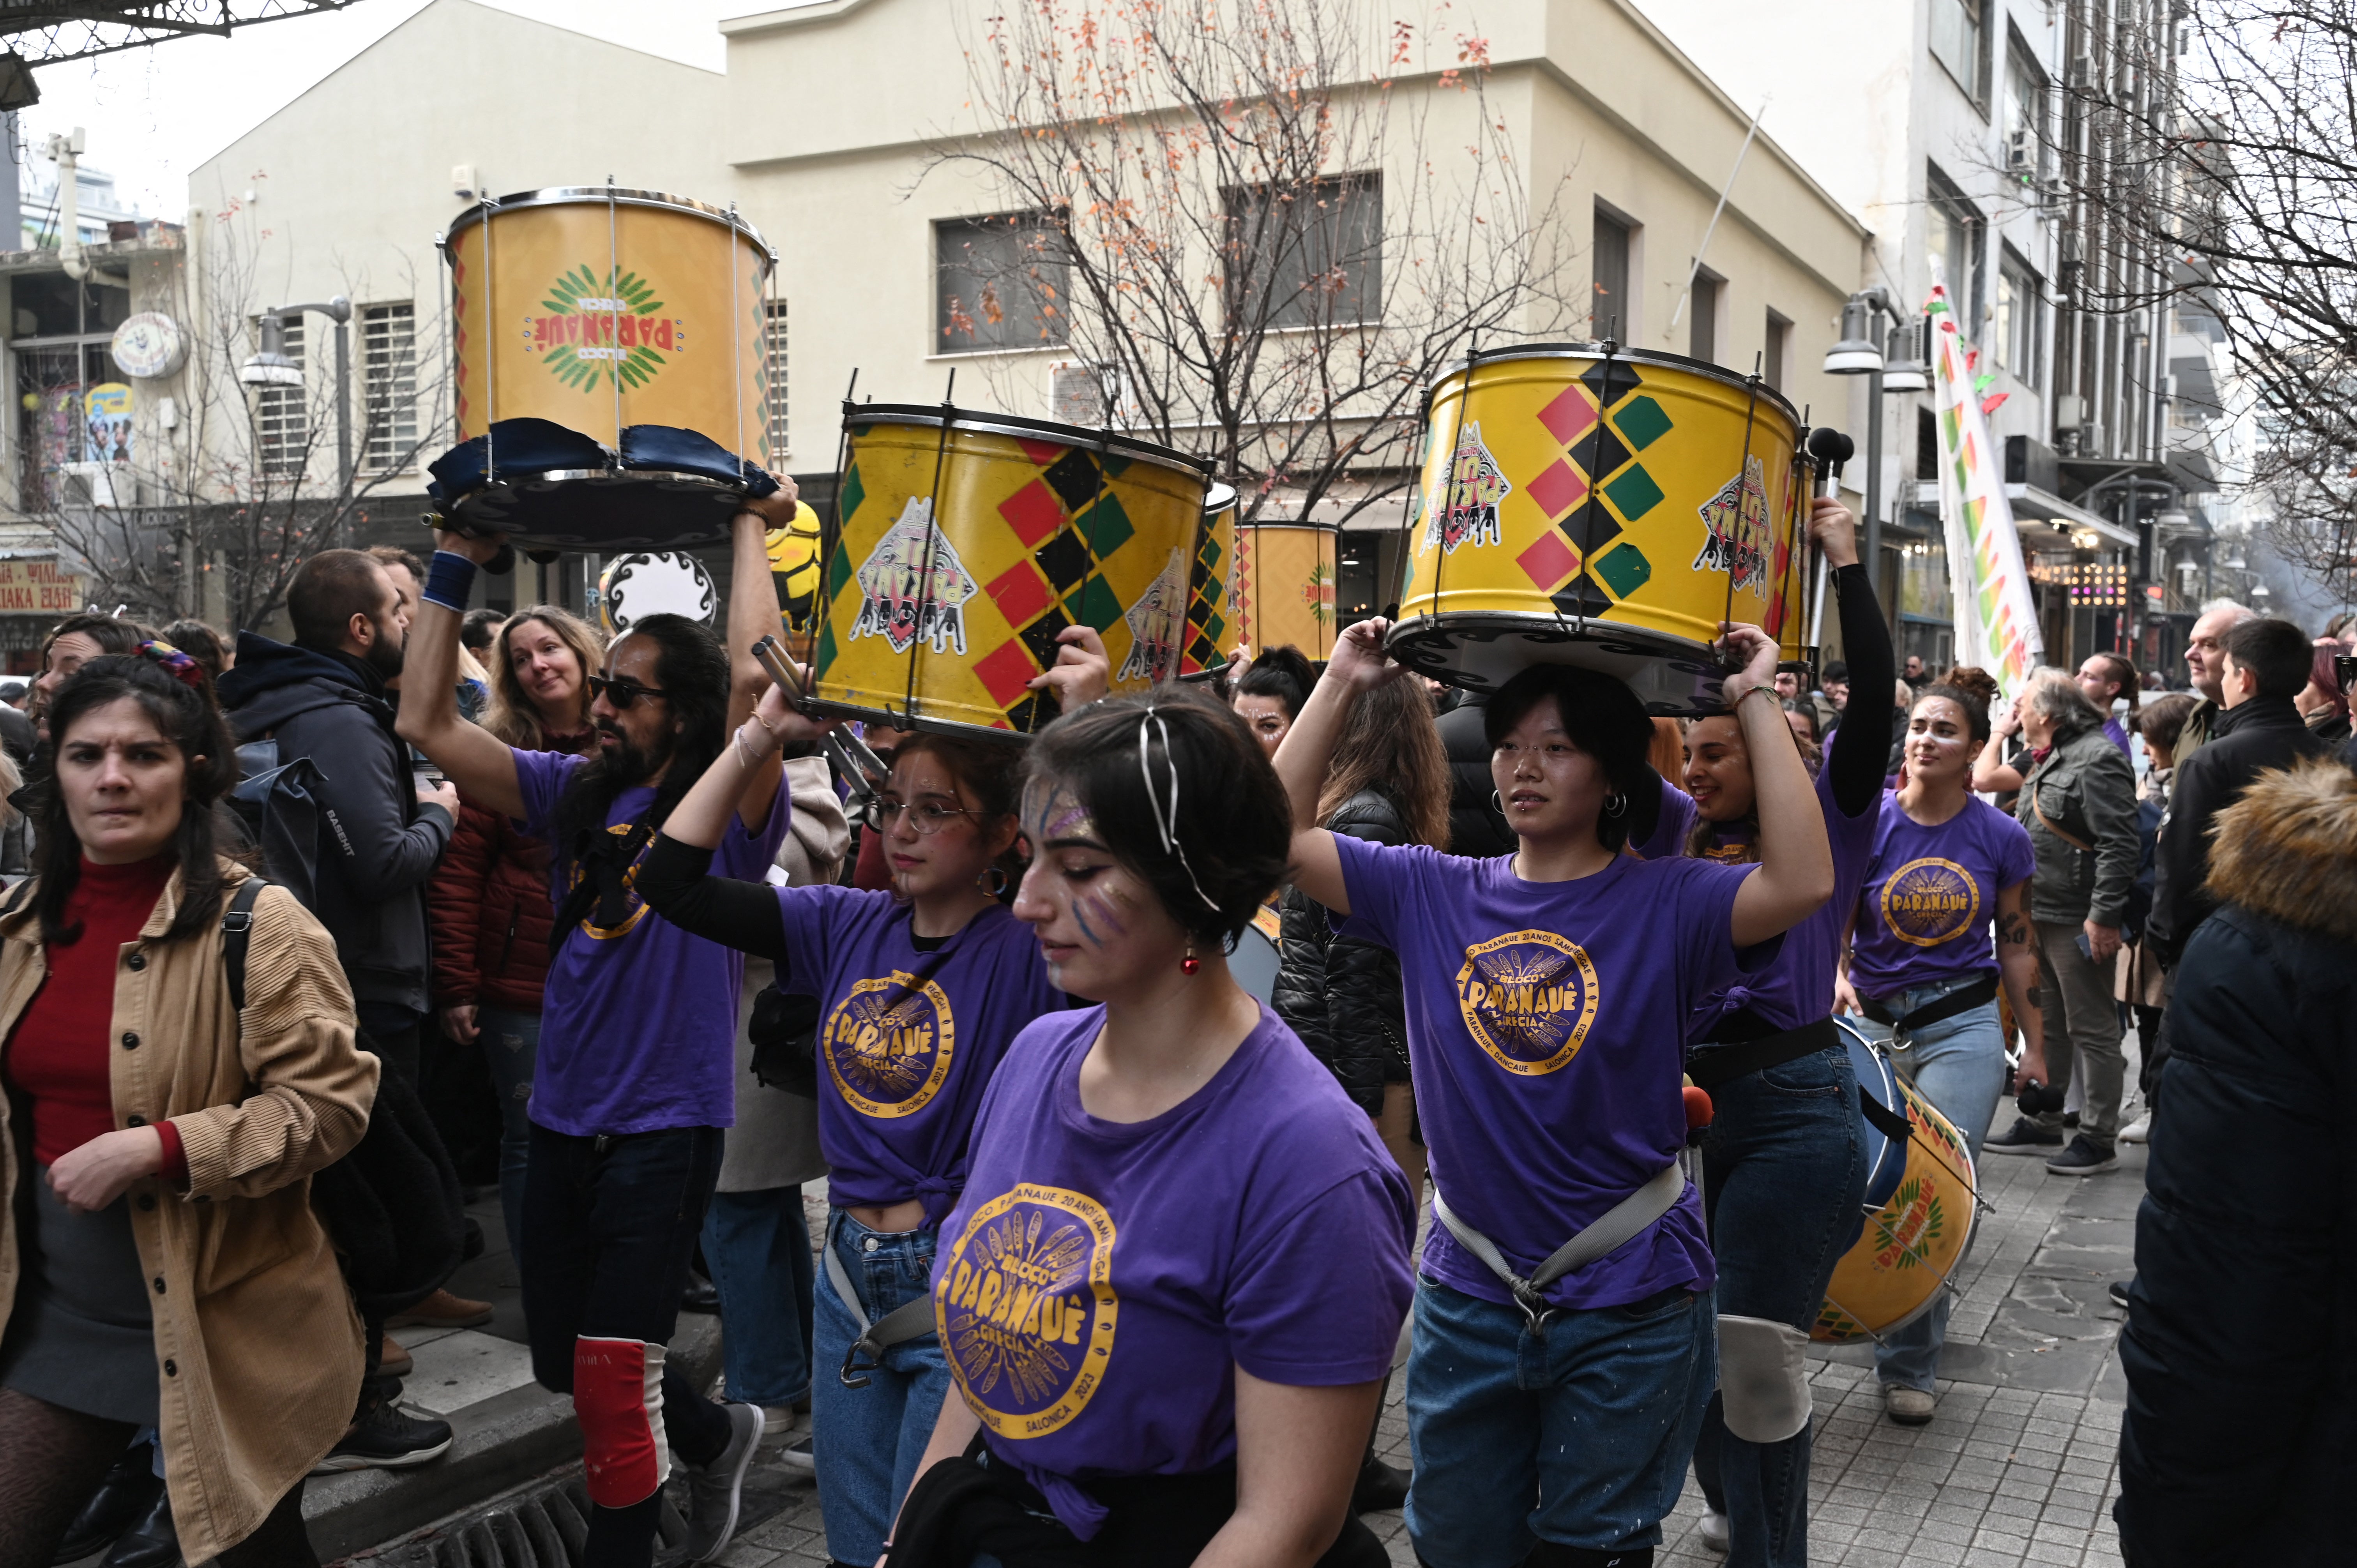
<point>1751,692</point>
<point>449,578</point>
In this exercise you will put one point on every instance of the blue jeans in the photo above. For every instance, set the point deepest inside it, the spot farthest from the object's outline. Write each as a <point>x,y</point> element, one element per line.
<point>1957,1064</point>
<point>1577,1433</point>
<point>759,1246</point>
<point>511,1043</point>
<point>867,1441</point>
<point>1785,1166</point>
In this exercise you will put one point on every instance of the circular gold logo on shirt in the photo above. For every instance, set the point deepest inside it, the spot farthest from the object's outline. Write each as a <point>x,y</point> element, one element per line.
<point>1926,902</point>
<point>1528,999</point>
<point>887,1045</point>
<point>1024,1307</point>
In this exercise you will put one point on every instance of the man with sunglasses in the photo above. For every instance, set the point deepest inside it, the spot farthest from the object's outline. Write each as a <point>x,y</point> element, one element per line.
<point>635,1080</point>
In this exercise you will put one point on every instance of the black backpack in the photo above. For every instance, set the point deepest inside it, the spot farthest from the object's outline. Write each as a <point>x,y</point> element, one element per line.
<point>278,805</point>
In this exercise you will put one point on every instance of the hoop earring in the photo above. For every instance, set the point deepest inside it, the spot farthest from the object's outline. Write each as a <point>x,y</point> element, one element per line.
<point>1497,804</point>
<point>993,882</point>
<point>1616,805</point>
<point>1189,964</point>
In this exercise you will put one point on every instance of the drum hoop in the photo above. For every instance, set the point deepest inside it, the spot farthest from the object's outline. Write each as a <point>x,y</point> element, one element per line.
<point>547,476</point>
<point>1221,497</point>
<point>1512,620</point>
<point>834,707</point>
<point>582,194</point>
<point>929,415</point>
<point>1703,368</point>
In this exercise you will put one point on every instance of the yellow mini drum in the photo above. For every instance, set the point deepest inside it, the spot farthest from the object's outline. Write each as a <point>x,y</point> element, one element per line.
<point>966,541</point>
<point>1912,1242</point>
<point>598,309</point>
<point>1210,590</point>
<point>1285,586</point>
<point>1586,504</point>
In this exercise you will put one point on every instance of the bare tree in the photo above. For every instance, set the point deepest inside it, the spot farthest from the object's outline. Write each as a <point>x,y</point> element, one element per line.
<point>216,518</point>
<point>1262,230</point>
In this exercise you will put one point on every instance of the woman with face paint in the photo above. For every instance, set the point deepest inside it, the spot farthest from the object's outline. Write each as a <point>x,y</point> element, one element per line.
<point>920,990</point>
<point>1563,1347</point>
<point>1947,869</point>
<point>1175,1282</point>
<point>1269,696</point>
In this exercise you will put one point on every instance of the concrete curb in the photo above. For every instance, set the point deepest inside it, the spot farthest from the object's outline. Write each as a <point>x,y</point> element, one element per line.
<point>496,1445</point>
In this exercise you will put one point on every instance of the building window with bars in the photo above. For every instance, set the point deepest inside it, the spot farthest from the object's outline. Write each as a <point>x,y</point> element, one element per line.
<point>282,434</point>
<point>389,355</point>
<point>774,359</point>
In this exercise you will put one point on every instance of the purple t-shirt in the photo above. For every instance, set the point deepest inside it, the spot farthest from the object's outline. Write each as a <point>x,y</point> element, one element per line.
<point>1929,896</point>
<point>1796,986</point>
<point>1099,1281</point>
<point>639,1027</point>
<point>909,1037</point>
<point>2119,737</point>
<point>1545,1024</point>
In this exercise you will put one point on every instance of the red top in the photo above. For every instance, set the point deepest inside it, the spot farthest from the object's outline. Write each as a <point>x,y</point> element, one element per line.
<point>58,1054</point>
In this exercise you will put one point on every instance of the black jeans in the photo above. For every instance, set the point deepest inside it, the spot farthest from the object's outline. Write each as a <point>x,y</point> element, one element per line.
<point>610,1223</point>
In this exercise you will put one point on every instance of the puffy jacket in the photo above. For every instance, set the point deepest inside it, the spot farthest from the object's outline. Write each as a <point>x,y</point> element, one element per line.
<point>2246,740</point>
<point>1342,996</point>
<point>2239,1444</point>
<point>2087,789</point>
<point>489,907</point>
<point>379,841</point>
<point>1475,827</point>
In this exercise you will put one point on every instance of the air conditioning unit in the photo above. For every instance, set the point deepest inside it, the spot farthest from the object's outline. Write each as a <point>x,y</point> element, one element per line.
<point>2021,151</point>
<point>84,486</point>
<point>1088,393</point>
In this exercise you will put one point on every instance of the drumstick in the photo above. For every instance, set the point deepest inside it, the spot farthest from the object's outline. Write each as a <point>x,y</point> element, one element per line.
<point>781,669</point>
<point>1831,448</point>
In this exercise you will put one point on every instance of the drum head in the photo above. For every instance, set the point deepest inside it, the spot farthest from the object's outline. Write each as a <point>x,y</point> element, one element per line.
<point>606,513</point>
<point>1885,1161</point>
<point>1254,965</point>
<point>1673,679</point>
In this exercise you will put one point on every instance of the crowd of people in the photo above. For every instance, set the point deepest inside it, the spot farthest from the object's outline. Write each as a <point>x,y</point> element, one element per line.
<point>1117,1254</point>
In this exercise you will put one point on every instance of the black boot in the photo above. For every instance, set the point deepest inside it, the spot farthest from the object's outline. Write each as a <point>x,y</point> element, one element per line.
<point>153,1542</point>
<point>1379,1486</point>
<point>131,1488</point>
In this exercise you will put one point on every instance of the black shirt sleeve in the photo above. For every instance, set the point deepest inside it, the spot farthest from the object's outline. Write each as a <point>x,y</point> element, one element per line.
<point>1862,742</point>
<point>676,881</point>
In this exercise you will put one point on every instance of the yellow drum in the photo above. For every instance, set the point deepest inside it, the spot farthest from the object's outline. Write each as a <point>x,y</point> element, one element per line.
<point>1210,590</point>
<point>966,541</point>
<point>598,309</point>
<point>1913,1241</point>
<point>1602,507</point>
<point>1285,586</point>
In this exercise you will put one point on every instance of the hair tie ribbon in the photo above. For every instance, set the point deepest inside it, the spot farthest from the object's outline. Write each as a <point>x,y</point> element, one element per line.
<point>175,663</point>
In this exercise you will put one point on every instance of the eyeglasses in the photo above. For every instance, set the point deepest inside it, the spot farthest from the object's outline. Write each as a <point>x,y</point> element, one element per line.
<point>930,816</point>
<point>621,691</point>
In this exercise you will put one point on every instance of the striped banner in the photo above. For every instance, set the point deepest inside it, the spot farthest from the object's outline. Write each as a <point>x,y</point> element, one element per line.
<point>1995,619</point>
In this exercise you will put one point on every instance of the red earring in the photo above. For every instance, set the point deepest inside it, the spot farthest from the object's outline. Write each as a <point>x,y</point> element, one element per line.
<point>1191,963</point>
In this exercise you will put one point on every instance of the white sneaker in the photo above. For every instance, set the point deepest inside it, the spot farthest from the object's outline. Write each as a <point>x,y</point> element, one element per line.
<point>797,1456</point>
<point>2138,1131</point>
<point>1713,1529</point>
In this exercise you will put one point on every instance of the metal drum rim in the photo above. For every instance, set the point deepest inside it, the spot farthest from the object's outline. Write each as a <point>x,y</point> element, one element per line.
<point>838,708</point>
<point>1595,351</point>
<point>1221,497</point>
<point>929,415</point>
<point>1309,524</point>
<point>1512,620</point>
<point>621,196</point>
<point>546,475</point>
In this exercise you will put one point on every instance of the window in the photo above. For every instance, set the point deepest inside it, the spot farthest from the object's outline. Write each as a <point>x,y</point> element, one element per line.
<point>999,283</point>
<point>1702,328</point>
<point>1952,235</point>
<point>1610,313</point>
<point>1959,42</point>
<point>389,356</point>
<point>281,426</point>
<point>774,359</point>
<point>1927,442</point>
<point>1317,252</point>
<point>1778,348</point>
<point>2013,329</point>
<point>2024,115</point>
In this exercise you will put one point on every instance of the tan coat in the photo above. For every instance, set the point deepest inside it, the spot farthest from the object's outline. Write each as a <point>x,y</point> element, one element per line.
<point>257,1347</point>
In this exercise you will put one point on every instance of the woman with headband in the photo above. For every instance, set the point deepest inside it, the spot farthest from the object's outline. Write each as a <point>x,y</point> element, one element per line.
<point>1175,1282</point>
<point>1563,1347</point>
<point>920,989</point>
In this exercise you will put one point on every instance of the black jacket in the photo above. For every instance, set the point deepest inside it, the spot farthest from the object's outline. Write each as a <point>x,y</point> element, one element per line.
<point>2262,734</point>
<point>1340,996</point>
<point>2239,1444</point>
<point>379,841</point>
<point>1475,827</point>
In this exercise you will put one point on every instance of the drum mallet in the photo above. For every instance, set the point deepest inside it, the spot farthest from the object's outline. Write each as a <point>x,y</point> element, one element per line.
<point>1831,448</point>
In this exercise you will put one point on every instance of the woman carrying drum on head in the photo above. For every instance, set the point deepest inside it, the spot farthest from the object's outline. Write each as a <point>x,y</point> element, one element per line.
<point>1947,867</point>
<point>1785,1166</point>
<point>920,991</point>
<point>1270,692</point>
<point>1177,1277</point>
<point>1564,1347</point>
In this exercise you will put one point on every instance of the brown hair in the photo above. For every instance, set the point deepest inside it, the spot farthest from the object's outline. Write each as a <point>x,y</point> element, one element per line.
<point>511,714</point>
<point>2122,673</point>
<point>1390,744</point>
<point>2162,720</point>
<point>1974,680</point>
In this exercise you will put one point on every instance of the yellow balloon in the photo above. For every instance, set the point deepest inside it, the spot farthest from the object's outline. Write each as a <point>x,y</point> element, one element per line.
<point>795,558</point>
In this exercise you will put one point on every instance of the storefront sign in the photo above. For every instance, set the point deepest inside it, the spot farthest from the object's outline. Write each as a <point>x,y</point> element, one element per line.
<point>41,589</point>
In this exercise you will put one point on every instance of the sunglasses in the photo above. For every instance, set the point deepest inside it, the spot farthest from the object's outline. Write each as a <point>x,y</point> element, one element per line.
<point>620,692</point>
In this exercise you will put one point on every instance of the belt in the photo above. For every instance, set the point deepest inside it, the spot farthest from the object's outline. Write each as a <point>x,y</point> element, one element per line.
<point>1605,1233</point>
<point>1731,1060</point>
<point>1977,993</point>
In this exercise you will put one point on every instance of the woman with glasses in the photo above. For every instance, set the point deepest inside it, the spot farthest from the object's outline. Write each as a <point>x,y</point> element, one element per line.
<point>919,990</point>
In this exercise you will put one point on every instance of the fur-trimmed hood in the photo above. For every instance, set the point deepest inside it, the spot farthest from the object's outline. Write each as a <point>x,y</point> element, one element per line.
<point>2287,849</point>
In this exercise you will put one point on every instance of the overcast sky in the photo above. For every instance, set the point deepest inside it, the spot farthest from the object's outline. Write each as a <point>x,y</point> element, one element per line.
<point>153,115</point>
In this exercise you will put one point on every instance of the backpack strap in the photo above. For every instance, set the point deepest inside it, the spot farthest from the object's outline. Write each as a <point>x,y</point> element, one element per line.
<point>16,896</point>
<point>237,926</point>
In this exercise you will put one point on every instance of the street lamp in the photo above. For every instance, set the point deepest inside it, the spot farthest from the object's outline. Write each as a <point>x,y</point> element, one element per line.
<point>271,367</point>
<point>1857,355</point>
<point>1901,372</point>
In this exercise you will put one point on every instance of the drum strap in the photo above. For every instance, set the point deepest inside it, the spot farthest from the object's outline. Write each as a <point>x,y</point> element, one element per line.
<point>1609,1229</point>
<point>910,1320</point>
<point>1731,1060</point>
<point>1979,993</point>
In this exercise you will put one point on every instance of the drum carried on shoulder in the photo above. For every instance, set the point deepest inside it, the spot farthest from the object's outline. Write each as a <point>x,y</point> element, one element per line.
<point>1582,503</point>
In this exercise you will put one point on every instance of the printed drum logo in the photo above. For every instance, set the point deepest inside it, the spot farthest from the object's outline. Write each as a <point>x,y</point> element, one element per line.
<point>889,1045</point>
<point>1528,998</point>
<point>1026,1309</point>
<point>1157,622</point>
<point>1735,526</point>
<point>600,330</point>
<point>1475,486</point>
<point>1927,901</point>
<point>914,584</point>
